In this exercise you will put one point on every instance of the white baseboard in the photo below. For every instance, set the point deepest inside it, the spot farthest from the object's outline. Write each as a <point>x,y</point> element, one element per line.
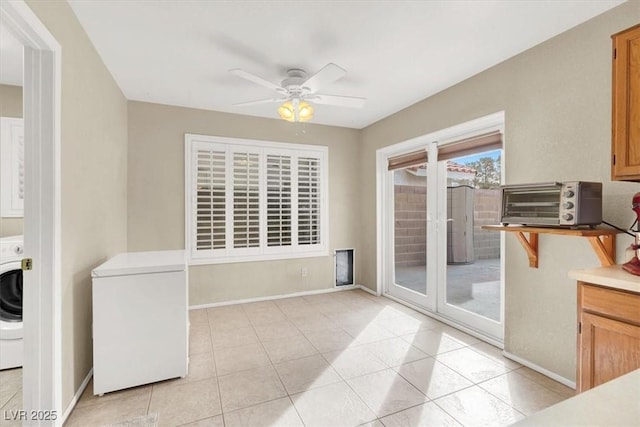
<point>364,288</point>
<point>272,297</point>
<point>76,397</point>
<point>490,340</point>
<point>540,369</point>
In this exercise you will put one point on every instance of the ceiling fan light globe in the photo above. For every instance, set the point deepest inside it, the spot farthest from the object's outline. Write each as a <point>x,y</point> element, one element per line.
<point>287,112</point>
<point>305,111</point>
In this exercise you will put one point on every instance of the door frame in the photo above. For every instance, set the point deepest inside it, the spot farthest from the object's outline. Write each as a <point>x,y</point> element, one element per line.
<point>42,370</point>
<point>384,210</point>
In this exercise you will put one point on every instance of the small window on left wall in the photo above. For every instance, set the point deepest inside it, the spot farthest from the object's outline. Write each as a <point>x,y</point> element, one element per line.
<point>252,200</point>
<point>11,167</point>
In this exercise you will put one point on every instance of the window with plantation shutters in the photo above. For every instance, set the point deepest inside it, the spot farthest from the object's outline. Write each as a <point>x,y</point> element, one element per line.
<point>254,200</point>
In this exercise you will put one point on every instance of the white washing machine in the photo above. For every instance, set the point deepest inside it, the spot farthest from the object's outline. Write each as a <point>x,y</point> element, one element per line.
<point>11,342</point>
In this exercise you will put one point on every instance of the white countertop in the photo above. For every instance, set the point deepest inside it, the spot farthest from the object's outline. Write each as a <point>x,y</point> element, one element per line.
<point>616,403</point>
<point>141,263</point>
<point>612,277</point>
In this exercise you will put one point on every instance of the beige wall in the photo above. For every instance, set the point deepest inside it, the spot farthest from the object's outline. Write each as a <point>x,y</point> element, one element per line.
<point>94,174</point>
<point>557,103</point>
<point>10,101</point>
<point>10,106</point>
<point>156,197</point>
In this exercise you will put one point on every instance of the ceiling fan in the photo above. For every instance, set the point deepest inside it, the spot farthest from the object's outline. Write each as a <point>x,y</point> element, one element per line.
<point>297,91</point>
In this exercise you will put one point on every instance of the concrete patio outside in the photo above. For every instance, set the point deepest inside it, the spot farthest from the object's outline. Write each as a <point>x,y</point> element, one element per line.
<point>474,287</point>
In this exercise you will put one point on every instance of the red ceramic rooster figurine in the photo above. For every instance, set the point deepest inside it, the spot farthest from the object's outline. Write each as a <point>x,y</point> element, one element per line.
<point>633,266</point>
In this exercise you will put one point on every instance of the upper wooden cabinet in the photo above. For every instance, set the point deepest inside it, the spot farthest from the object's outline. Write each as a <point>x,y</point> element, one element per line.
<point>625,137</point>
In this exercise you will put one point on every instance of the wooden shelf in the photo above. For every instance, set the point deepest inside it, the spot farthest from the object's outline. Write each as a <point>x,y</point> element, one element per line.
<point>603,241</point>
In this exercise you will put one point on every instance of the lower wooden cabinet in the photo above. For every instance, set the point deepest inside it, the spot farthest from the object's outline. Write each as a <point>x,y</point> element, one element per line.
<point>609,334</point>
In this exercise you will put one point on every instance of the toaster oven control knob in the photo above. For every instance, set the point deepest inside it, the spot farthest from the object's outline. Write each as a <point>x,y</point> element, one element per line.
<point>567,217</point>
<point>569,193</point>
<point>567,205</point>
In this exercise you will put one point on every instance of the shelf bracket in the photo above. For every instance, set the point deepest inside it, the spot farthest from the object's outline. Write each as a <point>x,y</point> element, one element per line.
<point>530,246</point>
<point>603,241</point>
<point>605,248</point>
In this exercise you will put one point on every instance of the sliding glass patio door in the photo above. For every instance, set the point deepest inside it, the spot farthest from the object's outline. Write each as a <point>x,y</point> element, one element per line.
<point>438,257</point>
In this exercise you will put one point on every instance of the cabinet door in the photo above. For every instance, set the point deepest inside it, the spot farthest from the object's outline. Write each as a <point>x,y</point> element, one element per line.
<point>626,106</point>
<point>609,348</point>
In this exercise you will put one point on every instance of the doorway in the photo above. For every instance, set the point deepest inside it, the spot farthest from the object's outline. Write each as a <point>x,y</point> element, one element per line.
<point>42,284</point>
<point>11,221</point>
<point>435,194</point>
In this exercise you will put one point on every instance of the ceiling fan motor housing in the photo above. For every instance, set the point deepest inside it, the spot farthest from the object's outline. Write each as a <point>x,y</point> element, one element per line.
<point>293,83</point>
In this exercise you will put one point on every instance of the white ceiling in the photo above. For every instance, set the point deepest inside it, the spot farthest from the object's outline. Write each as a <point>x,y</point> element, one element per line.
<point>396,52</point>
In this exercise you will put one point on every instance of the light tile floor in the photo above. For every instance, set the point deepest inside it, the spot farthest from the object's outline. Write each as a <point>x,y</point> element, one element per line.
<point>338,359</point>
<point>10,394</point>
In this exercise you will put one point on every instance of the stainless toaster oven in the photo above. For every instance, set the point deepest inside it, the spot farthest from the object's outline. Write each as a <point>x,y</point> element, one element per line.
<point>567,204</point>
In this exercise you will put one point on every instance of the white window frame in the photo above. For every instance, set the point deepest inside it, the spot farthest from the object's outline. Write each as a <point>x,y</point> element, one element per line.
<point>264,252</point>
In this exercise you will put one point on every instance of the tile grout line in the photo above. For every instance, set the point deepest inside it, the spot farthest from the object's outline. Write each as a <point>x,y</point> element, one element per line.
<point>548,389</point>
<point>293,405</point>
<point>215,366</point>
<point>407,408</point>
<point>344,380</point>
<point>500,399</point>
<point>540,383</point>
<point>445,411</point>
<point>288,396</point>
<point>267,354</point>
<point>150,397</point>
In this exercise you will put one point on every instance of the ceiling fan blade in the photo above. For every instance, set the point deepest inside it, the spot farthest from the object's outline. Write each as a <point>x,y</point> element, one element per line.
<point>338,100</point>
<point>328,74</point>
<point>257,80</point>
<point>260,101</point>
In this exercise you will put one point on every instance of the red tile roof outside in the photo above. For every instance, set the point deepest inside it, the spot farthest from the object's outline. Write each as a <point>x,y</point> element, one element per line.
<point>457,167</point>
<point>451,167</point>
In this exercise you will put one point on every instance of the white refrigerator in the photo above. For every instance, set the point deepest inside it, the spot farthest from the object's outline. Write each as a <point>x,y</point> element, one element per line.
<point>140,320</point>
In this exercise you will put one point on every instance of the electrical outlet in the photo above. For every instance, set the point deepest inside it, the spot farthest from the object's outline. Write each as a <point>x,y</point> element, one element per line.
<point>303,271</point>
